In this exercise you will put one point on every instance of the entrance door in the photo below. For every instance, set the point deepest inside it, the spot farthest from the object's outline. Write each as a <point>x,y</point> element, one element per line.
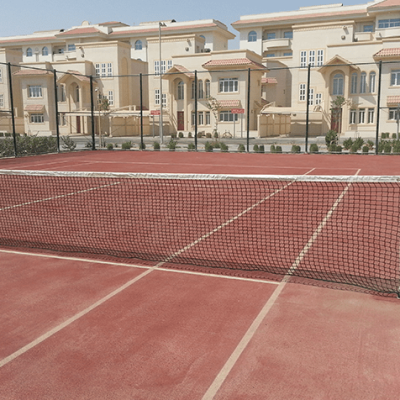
<point>336,120</point>
<point>181,121</point>
<point>78,124</point>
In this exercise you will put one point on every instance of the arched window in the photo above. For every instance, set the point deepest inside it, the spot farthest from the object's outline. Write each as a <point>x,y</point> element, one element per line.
<point>363,82</point>
<point>45,51</point>
<point>138,45</point>
<point>338,85</point>
<point>372,80</point>
<point>252,36</point>
<point>181,90</point>
<point>202,36</point>
<point>29,52</point>
<point>208,92</point>
<point>77,94</point>
<point>354,83</point>
<point>193,89</point>
<point>201,93</point>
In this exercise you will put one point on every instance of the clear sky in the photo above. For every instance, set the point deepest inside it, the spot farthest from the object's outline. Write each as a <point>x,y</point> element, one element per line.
<point>26,16</point>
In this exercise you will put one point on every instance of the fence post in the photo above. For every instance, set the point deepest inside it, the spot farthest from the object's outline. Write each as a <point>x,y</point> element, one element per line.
<point>195,110</point>
<point>92,112</point>
<point>308,107</point>
<point>56,109</point>
<point>12,109</point>
<point>378,107</point>
<point>141,112</point>
<point>248,110</point>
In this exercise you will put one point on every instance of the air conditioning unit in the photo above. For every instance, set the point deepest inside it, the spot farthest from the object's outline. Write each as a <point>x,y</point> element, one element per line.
<point>207,50</point>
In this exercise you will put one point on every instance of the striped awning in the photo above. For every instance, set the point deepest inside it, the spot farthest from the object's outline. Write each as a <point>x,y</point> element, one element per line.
<point>34,108</point>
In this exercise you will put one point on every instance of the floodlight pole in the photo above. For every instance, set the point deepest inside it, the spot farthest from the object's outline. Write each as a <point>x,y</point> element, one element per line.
<point>160,24</point>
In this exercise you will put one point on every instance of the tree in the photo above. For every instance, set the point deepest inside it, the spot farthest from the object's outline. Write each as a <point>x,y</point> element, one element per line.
<point>103,105</point>
<point>214,106</point>
<point>336,110</point>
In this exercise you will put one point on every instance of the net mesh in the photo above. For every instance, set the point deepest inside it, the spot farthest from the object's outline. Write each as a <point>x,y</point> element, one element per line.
<point>334,229</point>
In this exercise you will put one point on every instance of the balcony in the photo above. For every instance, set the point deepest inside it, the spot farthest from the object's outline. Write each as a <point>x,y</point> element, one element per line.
<point>387,32</point>
<point>364,36</point>
<point>276,43</point>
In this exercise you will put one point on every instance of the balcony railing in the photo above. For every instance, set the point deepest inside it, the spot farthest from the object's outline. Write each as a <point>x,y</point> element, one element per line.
<point>276,43</point>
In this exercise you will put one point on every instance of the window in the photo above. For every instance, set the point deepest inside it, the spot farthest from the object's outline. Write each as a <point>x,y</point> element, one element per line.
<point>35,91</point>
<point>311,58</point>
<point>45,51</point>
<point>37,118</point>
<point>71,47</point>
<point>169,64</point>
<point>227,85</point>
<point>77,94</point>
<point>157,67</point>
<point>388,23</point>
<point>60,50</point>
<point>110,98</point>
<point>97,66</point>
<point>363,83</point>
<point>288,54</point>
<point>338,85</point>
<point>201,92</point>
<point>311,97</point>
<point>227,116</point>
<point>372,80</point>
<point>207,89</point>
<point>270,55</point>
<point>208,118</point>
<point>181,90</point>
<point>193,118</point>
<point>252,36</point>
<point>303,59</point>
<point>271,36</point>
<point>109,69</point>
<point>352,117</point>
<point>302,92</point>
<point>29,52</point>
<point>163,66</point>
<point>1,100</point>
<point>157,97</point>
<point>62,96</point>
<point>353,83</point>
<point>395,78</point>
<point>288,35</point>
<point>371,112</point>
<point>201,118</point>
<point>138,45</point>
<point>62,121</point>
<point>393,114</point>
<point>103,69</point>
<point>361,116</point>
<point>368,28</point>
<point>320,59</point>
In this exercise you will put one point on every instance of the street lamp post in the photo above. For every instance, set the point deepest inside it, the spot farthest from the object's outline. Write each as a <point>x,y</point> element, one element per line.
<point>160,24</point>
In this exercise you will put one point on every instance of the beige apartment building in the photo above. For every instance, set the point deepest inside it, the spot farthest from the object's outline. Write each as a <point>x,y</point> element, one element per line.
<point>343,46</point>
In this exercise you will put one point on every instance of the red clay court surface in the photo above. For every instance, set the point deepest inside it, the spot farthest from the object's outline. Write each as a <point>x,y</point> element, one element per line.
<point>80,328</point>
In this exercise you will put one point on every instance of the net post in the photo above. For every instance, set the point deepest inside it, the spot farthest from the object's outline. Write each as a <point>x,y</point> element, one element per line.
<point>56,109</point>
<point>12,109</point>
<point>92,112</point>
<point>141,111</point>
<point>308,107</point>
<point>195,109</point>
<point>378,106</point>
<point>248,110</point>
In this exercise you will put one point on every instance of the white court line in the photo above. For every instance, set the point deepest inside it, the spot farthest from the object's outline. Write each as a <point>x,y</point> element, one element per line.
<point>58,197</point>
<point>230,363</point>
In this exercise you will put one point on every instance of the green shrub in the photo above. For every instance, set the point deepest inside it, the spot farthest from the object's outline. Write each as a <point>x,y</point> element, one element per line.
<point>1,134</point>
<point>191,147</point>
<point>365,149</point>
<point>224,147</point>
<point>261,148</point>
<point>190,135</point>
<point>180,135</point>
<point>28,145</point>
<point>173,135</point>
<point>8,134</point>
<point>359,142</point>
<point>296,148</point>
<point>278,149</point>
<point>68,143</point>
<point>110,146</point>
<point>334,148</point>
<point>215,134</point>
<point>348,143</point>
<point>394,136</point>
<point>241,148</point>
<point>255,148</point>
<point>354,148</point>
<point>208,135</point>
<point>272,148</point>
<point>209,147</point>
<point>126,145</point>
<point>216,145</point>
<point>387,148</point>
<point>396,146</point>
<point>314,148</point>
<point>385,135</point>
<point>172,144</point>
<point>370,144</point>
<point>331,138</point>
<point>142,146</point>
<point>116,145</point>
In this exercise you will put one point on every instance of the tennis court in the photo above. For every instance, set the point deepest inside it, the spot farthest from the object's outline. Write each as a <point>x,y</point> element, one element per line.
<point>149,286</point>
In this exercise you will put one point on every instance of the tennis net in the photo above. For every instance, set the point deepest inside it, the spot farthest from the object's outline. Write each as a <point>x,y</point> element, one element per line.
<point>334,229</point>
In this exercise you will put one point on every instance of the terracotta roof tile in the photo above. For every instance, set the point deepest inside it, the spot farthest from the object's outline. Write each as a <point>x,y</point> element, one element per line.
<point>388,53</point>
<point>79,31</point>
<point>229,103</point>
<point>269,80</point>
<point>25,71</point>
<point>393,100</point>
<point>29,39</point>
<point>181,68</point>
<point>387,3</point>
<point>233,62</point>
<point>79,76</point>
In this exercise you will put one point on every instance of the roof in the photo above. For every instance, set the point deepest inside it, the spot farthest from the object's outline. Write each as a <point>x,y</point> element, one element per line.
<point>25,71</point>
<point>181,68</point>
<point>80,31</point>
<point>266,80</point>
<point>337,60</point>
<point>385,4</point>
<point>393,100</point>
<point>233,62</point>
<point>388,53</point>
<point>34,107</point>
<point>28,39</point>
